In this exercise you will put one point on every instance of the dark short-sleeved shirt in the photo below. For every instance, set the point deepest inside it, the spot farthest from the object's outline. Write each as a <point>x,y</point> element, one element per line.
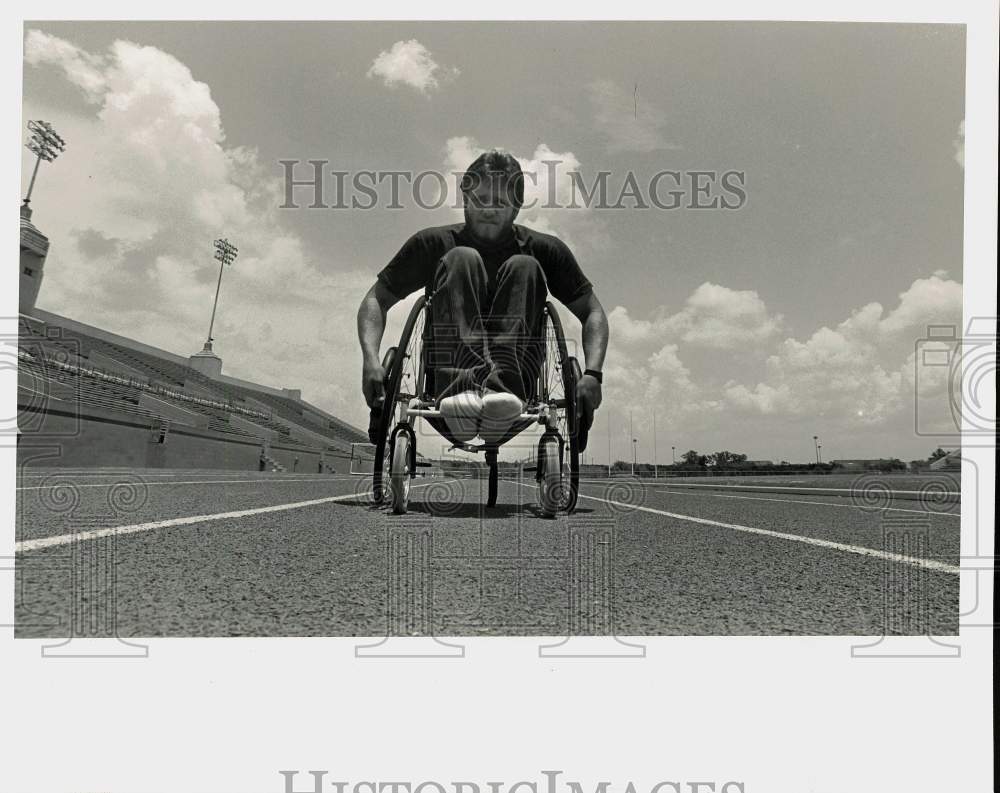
<point>414,266</point>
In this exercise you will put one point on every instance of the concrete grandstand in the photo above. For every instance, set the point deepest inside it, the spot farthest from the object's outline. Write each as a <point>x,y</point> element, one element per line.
<point>88,397</point>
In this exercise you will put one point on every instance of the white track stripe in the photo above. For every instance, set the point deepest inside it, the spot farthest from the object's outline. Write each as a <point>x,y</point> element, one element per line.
<point>753,487</point>
<point>133,472</point>
<point>36,473</point>
<point>94,534</point>
<point>927,564</point>
<point>187,482</point>
<point>821,504</point>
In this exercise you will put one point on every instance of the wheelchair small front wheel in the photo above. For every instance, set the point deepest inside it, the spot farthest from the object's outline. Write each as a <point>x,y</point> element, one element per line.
<point>550,481</point>
<point>400,473</point>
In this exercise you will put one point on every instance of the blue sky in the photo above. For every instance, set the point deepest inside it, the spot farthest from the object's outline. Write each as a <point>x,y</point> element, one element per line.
<point>752,330</point>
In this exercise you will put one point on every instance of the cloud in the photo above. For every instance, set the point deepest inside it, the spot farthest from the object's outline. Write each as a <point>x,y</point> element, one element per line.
<point>863,371</point>
<point>645,368</point>
<point>630,331</point>
<point>926,299</point>
<point>959,145</point>
<point>713,316</point>
<point>827,375</point>
<point>132,208</point>
<point>460,151</point>
<point>857,381</point>
<point>626,122</point>
<point>410,63</point>
<point>721,318</point>
<point>84,70</point>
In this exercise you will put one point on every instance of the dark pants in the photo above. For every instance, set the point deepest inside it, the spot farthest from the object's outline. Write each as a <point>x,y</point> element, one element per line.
<point>486,335</point>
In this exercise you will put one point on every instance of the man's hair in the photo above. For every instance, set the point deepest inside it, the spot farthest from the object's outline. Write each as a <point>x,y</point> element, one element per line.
<point>496,164</point>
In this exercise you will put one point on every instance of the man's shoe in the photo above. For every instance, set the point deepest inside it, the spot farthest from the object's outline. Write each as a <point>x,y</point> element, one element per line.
<point>462,413</point>
<point>501,406</point>
<point>500,410</point>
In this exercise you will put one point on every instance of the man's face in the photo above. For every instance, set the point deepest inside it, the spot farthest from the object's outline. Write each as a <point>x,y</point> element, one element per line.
<point>490,209</point>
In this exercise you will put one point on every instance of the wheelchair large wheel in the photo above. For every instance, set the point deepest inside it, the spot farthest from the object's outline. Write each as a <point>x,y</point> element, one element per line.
<point>558,468</point>
<point>402,383</point>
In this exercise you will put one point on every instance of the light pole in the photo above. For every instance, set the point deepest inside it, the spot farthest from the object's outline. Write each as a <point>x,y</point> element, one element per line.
<point>654,444</point>
<point>673,455</point>
<point>819,453</point>
<point>816,445</point>
<point>225,253</point>
<point>47,145</point>
<point>609,444</point>
<point>630,434</point>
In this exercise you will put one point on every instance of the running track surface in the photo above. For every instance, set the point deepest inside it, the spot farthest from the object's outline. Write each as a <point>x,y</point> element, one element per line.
<point>224,553</point>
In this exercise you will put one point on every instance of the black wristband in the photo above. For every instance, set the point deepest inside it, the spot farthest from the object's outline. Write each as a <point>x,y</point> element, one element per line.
<point>598,376</point>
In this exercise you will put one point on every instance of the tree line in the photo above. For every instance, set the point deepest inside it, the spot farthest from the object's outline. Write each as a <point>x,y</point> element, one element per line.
<point>725,460</point>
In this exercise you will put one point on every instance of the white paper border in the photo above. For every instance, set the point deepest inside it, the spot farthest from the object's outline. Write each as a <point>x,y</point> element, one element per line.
<point>780,714</point>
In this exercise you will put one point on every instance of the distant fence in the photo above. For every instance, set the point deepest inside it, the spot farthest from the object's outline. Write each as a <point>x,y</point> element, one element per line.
<point>671,473</point>
<point>728,472</point>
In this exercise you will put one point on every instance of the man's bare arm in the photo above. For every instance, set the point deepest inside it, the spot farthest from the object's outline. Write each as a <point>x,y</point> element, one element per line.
<point>590,312</point>
<point>371,326</point>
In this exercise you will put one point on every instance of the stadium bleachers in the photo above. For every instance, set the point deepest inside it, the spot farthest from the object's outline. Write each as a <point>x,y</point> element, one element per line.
<point>289,409</point>
<point>69,364</point>
<point>73,385</point>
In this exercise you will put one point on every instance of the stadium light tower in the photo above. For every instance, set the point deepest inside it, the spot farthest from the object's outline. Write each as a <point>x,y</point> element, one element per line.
<point>46,143</point>
<point>225,253</point>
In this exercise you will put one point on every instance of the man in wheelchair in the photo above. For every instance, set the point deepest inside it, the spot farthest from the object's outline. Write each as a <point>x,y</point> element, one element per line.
<point>488,280</point>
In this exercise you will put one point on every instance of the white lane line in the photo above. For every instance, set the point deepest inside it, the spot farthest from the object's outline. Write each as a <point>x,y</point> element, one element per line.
<point>821,504</point>
<point>96,477</point>
<point>860,550</point>
<point>748,486</point>
<point>187,482</point>
<point>91,474</point>
<point>94,534</point>
<point>56,472</point>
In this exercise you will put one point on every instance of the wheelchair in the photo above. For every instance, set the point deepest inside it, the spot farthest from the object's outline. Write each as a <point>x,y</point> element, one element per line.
<point>551,404</point>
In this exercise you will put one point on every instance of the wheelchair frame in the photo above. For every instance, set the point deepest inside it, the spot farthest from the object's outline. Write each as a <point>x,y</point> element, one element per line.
<point>557,471</point>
